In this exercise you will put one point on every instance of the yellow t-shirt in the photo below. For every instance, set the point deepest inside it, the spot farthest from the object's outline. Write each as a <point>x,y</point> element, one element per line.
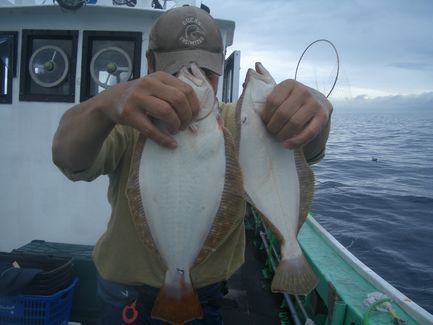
<point>120,255</point>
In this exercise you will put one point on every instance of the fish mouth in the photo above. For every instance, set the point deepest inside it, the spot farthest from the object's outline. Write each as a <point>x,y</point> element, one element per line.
<point>193,73</point>
<point>260,68</point>
<point>196,78</point>
<point>260,73</point>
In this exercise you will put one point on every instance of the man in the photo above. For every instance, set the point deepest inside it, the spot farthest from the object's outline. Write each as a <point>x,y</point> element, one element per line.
<point>97,137</point>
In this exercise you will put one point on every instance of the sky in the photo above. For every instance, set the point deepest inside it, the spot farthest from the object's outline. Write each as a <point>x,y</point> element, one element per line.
<point>385,47</point>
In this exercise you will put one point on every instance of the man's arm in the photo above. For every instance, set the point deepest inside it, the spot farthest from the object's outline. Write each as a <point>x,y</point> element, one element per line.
<point>137,103</point>
<point>80,135</point>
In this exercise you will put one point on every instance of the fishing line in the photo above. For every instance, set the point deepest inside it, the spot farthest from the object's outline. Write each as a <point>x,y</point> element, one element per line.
<point>336,54</point>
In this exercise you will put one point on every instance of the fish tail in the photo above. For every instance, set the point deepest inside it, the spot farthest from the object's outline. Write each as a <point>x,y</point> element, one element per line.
<point>177,301</point>
<point>294,276</point>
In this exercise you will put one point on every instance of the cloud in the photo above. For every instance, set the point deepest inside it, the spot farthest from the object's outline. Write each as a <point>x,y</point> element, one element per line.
<point>412,65</point>
<point>422,101</point>
<point>384,47</point>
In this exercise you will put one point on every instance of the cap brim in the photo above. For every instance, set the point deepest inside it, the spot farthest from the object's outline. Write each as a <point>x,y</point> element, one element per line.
<point>172,62</point>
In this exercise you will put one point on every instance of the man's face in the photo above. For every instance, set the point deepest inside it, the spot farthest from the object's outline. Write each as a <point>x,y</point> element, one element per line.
<point>210,76</point>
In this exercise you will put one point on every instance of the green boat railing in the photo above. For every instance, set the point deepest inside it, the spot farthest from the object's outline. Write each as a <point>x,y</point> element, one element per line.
<point>268,243</point>
<point>343,283</point>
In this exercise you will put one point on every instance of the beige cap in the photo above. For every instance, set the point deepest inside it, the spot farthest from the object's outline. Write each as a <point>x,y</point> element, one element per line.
<point>184,35</point>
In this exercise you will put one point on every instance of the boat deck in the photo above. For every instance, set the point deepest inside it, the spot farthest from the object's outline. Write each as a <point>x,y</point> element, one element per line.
<point>249,300</point>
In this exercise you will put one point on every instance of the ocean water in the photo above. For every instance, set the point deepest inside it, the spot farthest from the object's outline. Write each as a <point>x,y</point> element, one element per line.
<point>374,193</point>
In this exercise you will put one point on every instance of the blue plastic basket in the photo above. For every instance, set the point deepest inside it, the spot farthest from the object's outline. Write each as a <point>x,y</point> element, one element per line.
<point>37,310</point>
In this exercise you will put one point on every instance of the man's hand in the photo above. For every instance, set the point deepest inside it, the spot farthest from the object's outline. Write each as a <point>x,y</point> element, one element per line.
<point>158,96</point>
<point>295,114</point>
<point>138,103</point>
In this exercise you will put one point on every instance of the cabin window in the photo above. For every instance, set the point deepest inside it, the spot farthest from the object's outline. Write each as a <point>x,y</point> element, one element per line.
<point>48,64</point>
<point>8,50</point>
<point>108,59</point>
<point>231,78</point>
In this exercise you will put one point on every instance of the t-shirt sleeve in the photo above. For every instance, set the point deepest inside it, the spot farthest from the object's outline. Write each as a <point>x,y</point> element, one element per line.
<point>314,151</point>
<point>228,114</point>
<point>107,159</point>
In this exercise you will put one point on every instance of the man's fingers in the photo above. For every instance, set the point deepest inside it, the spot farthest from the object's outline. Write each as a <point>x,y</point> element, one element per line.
<point>179,95</point>
<point>296,123</point>
<point>155,104</point>
<point>282,115</point>
<point>161,110</point>
<point>181,106</point>
<point>191,97</point>
<point>277,97</point>
<point>311,130</point>
<point>295,113</point>
<point>146,127</point>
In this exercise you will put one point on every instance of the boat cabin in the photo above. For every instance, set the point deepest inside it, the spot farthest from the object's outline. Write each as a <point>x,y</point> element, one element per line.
<point>52,55</point>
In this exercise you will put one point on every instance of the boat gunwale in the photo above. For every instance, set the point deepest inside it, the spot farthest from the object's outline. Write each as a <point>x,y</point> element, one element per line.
<point>415,311</point>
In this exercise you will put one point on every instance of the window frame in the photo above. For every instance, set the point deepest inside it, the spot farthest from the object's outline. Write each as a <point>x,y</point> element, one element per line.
<point>12,36</point>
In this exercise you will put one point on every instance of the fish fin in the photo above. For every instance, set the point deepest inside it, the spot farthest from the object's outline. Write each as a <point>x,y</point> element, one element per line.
<point>134,197</point>
<point>238,122</point>
<point>275,231</point>
<point>177,302</point>
<point>306,182</point>
<point>294,276</point>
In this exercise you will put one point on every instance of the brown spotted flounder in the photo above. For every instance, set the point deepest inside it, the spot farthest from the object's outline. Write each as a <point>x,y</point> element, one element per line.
<point>277,181</point>
<point>183,200</point>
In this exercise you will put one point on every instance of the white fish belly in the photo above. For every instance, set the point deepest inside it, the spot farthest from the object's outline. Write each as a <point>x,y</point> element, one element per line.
<point>272,183</point>
<point>270,176</point>
<point>181,191</point>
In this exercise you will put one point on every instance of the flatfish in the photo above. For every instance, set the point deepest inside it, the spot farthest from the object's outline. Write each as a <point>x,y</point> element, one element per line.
<point>277,181</point>
<point>180,198</point>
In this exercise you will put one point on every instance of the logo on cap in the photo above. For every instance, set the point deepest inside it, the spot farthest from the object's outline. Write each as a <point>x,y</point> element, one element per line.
<point>193,33</point>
